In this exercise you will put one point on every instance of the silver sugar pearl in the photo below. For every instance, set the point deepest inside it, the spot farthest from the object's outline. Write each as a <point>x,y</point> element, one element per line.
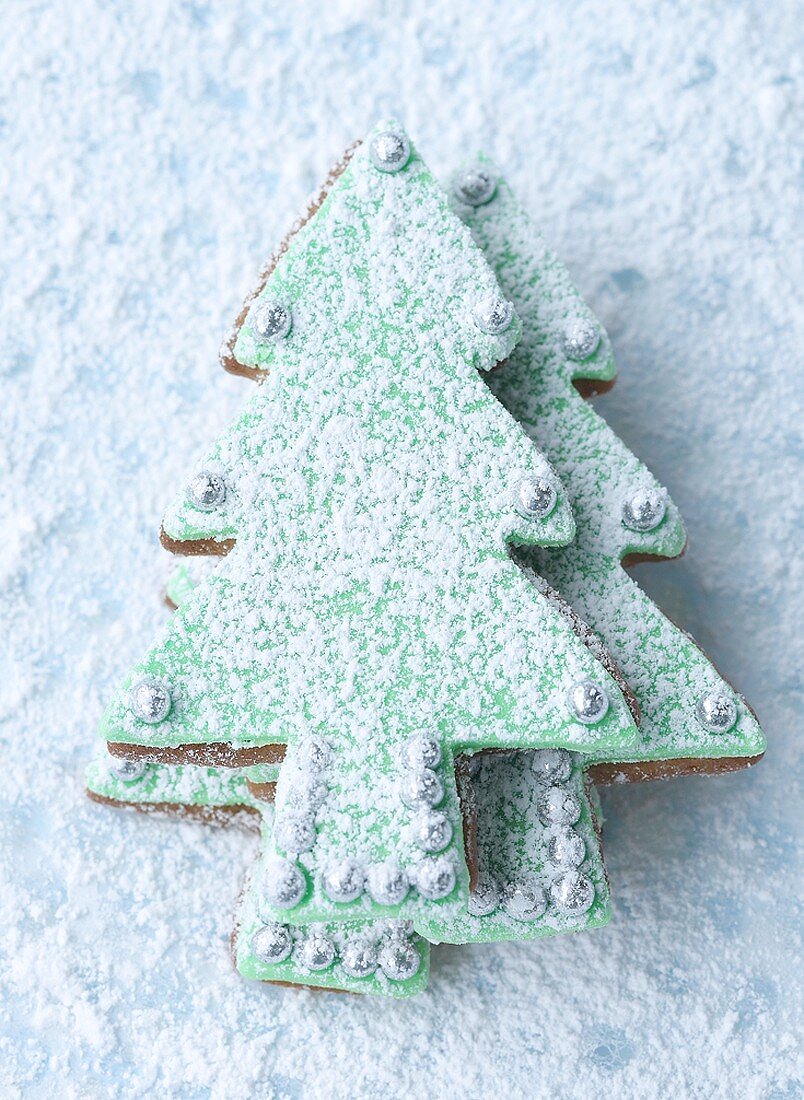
<point>127,771</point>
<point>524,900</point>
<point>475,186</point>
<point>207,491</point>
<point>399,959</point>
<point>316,951</point>
<point>421,788</point>
<point>272,943</point>
<point>294,832</point>
<point>343,880</point>
<point>588,702</point>
<point>305,794</point>
<point>551,765</point>
<point>581,339</point>
<point>359,958</point>
<point>388,884</point>
<point>272,320</point>
<point>283,884</point>
<point>389,151</point>
<point>537,497</point>
<point>716,711</point>
<point>493,315</point>
<point>432,831</point>
<point>558,806</point>
<point>150,700</point>
<point>435,878</point>
<point>566,848</point>
<point>644,510</point>
<point>572,893</point>
<point>485,897</point>
<point>422,752</point>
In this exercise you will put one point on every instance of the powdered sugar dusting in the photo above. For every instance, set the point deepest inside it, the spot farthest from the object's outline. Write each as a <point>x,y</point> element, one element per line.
<point>150,157</point>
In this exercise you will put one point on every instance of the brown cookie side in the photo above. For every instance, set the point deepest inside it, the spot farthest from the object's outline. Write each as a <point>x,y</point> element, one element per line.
<point>209,815</point>
<point>265,792</point>
<point>640,771</point>
<point>195,547</point>
<point>227,356</point>
<point>592,387</point>
<point>466,797</point>
<point>217,754</point>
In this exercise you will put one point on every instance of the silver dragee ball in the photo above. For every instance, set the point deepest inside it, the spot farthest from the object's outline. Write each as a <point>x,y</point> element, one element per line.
<point>294,832</point>
<point>343,880</point>
<point>485,897</point>
<point>284,884</point>
<point>493,315</point>
<point>316,951</point>
<point>272,320</point>
<point>421,788</point>
<point>716,711</point>
<point>150,700</point>
<point>388,884</point>
<point>305,793</point>
<point>422,751</point>
<point>558,806</point>
<point>435,878</point>
<point>566,848</point>
<point>399,959</point>
<point>588,702</point>
<point>127,771</point>
<point>207,491</point>
<point>389,151</point>
<point>551,765</point>
<point>572,893</point>
<point>644,510</point>
<point>475,186</point>
<point>359,958</point>
<point>272,943</point>
<point>432,831</point>
<point>581,339</point>
<point>537,497</point>
<point>524,900</point>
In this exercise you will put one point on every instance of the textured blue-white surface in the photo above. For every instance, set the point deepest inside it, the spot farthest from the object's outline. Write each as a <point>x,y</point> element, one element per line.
<point>150,156</point>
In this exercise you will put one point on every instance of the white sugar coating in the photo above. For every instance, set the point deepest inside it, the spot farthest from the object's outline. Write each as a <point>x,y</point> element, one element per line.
<point>371,486</point>
<point>663,666</point>
<point>151,156</point>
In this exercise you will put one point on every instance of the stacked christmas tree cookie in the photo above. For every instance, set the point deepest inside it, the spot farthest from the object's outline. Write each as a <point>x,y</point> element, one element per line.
<point>389,620</point>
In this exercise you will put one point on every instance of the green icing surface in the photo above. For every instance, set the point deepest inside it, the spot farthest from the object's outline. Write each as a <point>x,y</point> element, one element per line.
<point>371,487</point>
<point>666,670</point>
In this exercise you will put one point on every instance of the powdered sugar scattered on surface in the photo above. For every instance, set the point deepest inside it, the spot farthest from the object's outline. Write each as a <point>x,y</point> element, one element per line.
<point>150,158</point>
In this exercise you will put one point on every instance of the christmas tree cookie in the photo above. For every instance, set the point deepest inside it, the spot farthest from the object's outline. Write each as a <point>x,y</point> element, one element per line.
<point>692,720</point>
<point>368,497</point>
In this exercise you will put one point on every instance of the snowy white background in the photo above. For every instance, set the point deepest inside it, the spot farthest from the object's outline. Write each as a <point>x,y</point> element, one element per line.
<point>150,156</point>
